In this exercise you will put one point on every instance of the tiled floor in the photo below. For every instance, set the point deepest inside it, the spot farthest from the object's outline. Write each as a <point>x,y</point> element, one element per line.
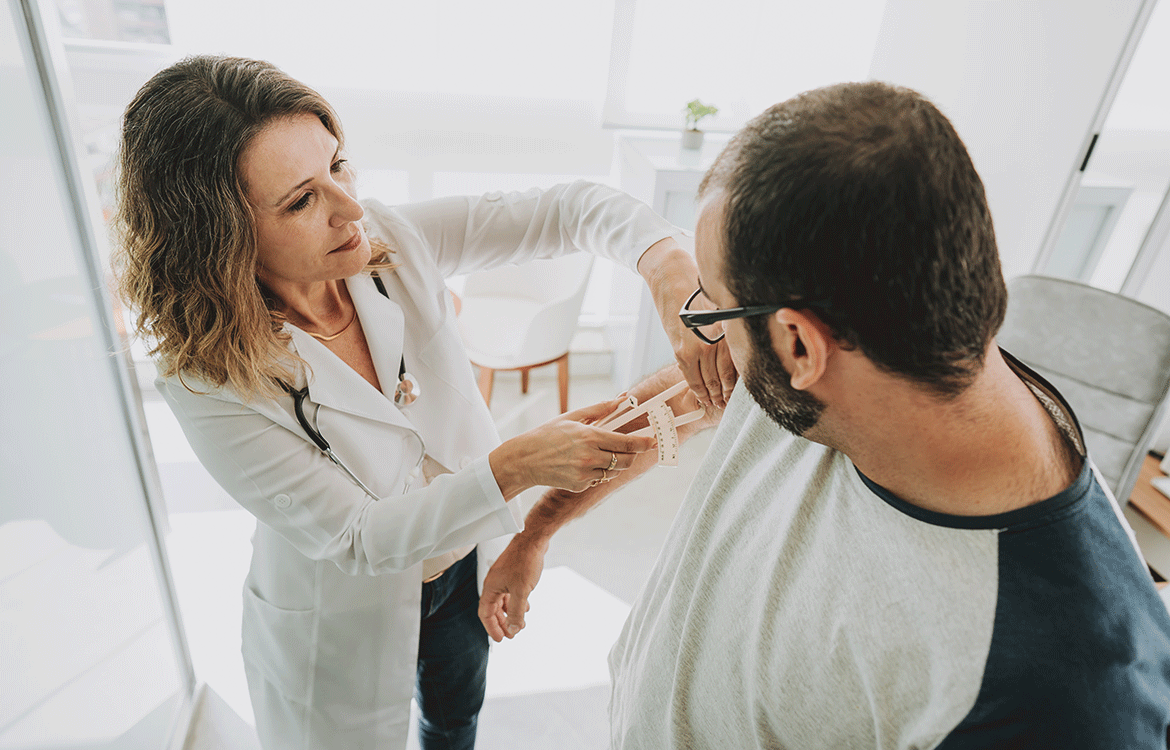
<point>549,687</point>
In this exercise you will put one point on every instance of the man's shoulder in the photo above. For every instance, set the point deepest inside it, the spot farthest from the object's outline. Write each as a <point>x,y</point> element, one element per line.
<point>1068,565</point>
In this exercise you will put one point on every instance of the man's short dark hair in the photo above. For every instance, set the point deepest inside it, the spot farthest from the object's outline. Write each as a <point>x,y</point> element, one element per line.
<point>862,196</point>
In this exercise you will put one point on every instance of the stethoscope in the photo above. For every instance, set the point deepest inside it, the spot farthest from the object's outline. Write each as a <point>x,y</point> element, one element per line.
<point>406,392</point>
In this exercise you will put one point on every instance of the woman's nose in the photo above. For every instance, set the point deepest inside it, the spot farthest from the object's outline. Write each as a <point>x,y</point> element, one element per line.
<point>346,208</point>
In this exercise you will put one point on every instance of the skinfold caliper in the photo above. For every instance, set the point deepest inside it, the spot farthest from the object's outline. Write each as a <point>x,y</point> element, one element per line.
<point>663,422</point>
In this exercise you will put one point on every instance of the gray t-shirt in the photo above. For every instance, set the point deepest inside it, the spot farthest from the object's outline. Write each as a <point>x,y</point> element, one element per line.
<point>796,604</point>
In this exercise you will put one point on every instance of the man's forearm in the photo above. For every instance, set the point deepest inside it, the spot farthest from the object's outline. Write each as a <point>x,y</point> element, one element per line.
<point>557,507</point>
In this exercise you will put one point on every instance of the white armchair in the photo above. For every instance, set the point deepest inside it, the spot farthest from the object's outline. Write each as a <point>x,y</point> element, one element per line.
<point>521,317</point>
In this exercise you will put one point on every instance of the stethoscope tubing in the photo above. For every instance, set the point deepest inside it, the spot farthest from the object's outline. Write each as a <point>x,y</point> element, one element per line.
<point>299,407</point>
<point>322,444</point>
<point>319,440</point>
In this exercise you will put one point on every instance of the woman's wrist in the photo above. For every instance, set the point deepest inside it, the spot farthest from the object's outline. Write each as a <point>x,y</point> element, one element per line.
<point>670,273</point>
<point>507,463</point>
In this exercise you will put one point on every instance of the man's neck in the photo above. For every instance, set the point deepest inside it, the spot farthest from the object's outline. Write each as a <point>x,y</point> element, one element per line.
<point>992,449</point>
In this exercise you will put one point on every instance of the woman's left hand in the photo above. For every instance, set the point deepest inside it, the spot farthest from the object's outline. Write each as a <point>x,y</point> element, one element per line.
<point>672,276</point>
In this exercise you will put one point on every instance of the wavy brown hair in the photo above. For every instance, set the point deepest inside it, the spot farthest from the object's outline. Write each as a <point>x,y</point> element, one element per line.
<point>185,234</point>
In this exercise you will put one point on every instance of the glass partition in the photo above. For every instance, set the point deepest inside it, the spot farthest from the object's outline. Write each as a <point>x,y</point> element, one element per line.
<point>91,650</point>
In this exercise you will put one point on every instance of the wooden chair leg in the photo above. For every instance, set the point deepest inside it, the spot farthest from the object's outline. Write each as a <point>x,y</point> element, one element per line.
<point>524,380</point>
<point>563,381</point>
<point>487,378</point>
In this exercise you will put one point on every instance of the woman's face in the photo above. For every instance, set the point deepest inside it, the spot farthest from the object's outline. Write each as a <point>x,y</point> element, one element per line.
<point>308,220</point>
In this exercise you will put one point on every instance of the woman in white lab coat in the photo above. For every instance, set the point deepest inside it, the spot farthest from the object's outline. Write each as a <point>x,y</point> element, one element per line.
<point>255,273</point>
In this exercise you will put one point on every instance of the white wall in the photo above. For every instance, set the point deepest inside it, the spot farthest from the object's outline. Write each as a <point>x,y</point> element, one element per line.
<point>456,86</point>
<point>524,47</point>
<point>1022,82</point>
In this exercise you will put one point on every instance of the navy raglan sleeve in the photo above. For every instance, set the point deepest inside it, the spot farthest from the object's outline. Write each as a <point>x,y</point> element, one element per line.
<point>1080,654</point>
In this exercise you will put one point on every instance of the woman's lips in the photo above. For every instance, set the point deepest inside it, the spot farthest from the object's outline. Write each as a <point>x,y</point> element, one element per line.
<point>350,245</point>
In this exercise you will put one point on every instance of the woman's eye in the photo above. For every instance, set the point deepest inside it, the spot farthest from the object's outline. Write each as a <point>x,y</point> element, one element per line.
<point>339,164</point>
<point>301,203</point>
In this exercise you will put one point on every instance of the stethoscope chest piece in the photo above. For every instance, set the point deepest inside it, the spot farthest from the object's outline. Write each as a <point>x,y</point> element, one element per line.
<point>407,390</point>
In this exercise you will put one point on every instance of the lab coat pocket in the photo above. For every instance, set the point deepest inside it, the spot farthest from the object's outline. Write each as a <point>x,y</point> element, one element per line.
<point>278,644</point>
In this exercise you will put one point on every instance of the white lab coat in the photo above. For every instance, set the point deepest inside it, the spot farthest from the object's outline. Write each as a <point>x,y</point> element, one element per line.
<point>331,603</point>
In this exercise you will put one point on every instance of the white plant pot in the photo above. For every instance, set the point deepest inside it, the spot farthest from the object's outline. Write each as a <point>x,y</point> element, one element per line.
<point>692,139</point>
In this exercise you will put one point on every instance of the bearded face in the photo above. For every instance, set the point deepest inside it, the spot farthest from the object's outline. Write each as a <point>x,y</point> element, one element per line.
<point>771,385</point>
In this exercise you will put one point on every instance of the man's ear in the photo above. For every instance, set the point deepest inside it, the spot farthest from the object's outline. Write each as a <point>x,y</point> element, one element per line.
<point>803,343</point>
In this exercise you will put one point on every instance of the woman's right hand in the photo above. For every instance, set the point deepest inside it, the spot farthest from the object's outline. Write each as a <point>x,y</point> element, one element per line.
<point>566,452</point>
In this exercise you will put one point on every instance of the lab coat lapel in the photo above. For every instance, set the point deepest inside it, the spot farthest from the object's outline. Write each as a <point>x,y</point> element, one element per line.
<point>383,321</point>
<point>442,368</point>
<point>336,385</point>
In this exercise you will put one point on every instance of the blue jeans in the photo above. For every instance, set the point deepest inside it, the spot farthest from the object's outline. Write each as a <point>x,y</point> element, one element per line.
<point>452,660</point>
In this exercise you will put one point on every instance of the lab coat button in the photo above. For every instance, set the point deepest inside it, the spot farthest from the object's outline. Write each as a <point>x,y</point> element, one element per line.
<point>465,462</point>
<point>413,474</point>
<point>494,196</point>
<point>282,501</point>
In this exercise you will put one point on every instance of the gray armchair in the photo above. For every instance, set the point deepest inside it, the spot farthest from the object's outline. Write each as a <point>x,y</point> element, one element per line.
<point>1110,357</point>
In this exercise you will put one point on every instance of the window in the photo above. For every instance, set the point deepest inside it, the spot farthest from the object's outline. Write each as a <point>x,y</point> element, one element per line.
<point>142,21</point>
<point>1086,232</point>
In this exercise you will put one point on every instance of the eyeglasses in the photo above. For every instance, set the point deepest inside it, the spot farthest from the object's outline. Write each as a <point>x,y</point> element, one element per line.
<point>706,323</point>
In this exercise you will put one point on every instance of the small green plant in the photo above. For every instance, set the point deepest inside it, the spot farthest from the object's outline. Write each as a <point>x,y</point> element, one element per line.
<point>696,111</point>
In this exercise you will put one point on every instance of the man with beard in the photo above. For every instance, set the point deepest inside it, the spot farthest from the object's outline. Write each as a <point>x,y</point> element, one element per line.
<point>897,539</point>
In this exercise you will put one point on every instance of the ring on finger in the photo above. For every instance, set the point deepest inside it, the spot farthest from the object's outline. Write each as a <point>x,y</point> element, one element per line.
<point>612,463</point>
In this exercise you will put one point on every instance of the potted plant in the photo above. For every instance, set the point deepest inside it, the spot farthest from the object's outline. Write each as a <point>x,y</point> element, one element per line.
<point>695,111</point>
